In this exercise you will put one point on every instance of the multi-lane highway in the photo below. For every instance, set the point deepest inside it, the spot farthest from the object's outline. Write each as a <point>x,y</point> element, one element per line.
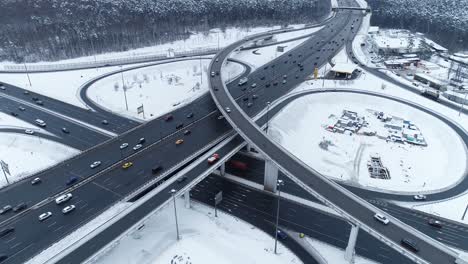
<point>357,209</point>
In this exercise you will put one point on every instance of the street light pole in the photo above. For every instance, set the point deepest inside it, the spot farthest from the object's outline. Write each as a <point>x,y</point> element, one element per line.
<point>173,191</point>
<point>279,184</point>
<point>267,117</point>
<point>123,88</point>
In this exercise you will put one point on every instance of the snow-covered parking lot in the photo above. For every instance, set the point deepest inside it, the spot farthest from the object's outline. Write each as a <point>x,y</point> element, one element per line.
<point>300,127</point>
<point>27,154</point>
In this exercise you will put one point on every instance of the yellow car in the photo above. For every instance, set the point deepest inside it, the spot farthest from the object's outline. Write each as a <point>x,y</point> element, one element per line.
<point>179,141</point>
<point>127,165</point>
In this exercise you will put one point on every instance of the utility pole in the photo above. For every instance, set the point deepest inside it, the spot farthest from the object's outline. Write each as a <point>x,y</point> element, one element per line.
<point>267,117</point>
<point>173,191</point>
<point>279,184</point>
<point>123,88</point>
<point>27,74</point>
<point>201,72</point>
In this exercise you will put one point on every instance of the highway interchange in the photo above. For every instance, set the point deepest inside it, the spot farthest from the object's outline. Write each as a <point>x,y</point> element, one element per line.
<point>109,183</point>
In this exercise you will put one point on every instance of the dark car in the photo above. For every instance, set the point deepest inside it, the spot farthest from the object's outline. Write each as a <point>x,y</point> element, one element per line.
<point>35,98</point>
<point>282,235</point>
<point>104,122</point>
<point>409,244</point>
<point>189,115</point>
<point>21,108</point>
<point>168,118</point>
<point>245,99</point>
<point>19,207</point>
<point>435,223</point>
<point>6,231</point>
<point>14,114</point>
<point>65,130</point>
<point>72,180</point>
<point>267,85</point>
<point>179,126</point>
<point>156,169</point>
<point>187,132</point>
<point>262,78</point>
<point>181,179</point>
<point>141,140</point>
<point>39,102</point>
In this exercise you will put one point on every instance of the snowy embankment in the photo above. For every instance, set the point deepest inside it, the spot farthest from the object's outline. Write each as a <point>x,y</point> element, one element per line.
<point>204,239</point>
<point>412,168</point>
<point>8,121</point>
<point>159,89</point>
<point>27,154</point>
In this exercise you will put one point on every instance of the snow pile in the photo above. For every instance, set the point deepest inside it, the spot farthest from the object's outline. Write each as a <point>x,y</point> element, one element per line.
<point>26,154</point>
<point>204,239</point>
<point>300,127</point>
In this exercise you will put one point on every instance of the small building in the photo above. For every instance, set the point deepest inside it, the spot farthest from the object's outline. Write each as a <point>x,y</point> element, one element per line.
<point>344,70</point>
<point>429,80</point>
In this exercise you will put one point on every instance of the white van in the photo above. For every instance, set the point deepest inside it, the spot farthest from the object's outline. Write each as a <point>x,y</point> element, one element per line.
<point>40,123</point>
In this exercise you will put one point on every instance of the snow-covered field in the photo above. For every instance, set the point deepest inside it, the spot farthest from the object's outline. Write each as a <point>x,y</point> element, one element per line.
<point>7,121</point>
<point>204,240</point>
<point>335,255</point>
<point>62,86</point>
<point>300,127</point>
<point>26,154</point>
<point>455,209</point>
<point>158,88</point>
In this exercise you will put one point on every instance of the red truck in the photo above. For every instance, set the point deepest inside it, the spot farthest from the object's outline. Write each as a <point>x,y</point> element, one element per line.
<point>213,158</point>
<point>239,165</point>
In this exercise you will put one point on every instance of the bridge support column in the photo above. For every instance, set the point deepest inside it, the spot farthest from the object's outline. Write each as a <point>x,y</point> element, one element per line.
<point>271,176</point>
<point>349,254</point>
<point>222,169</point>
<point>187,199</point>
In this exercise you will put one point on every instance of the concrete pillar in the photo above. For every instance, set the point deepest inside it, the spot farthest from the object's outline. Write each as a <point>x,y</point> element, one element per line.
<point>349,254</point>
<point>222,169</point>
<point>271,176</point>
<point>187,199</point>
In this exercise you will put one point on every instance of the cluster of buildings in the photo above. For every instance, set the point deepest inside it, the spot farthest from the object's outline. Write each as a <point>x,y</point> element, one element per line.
<point>349,122</point>
<point>401,130</point>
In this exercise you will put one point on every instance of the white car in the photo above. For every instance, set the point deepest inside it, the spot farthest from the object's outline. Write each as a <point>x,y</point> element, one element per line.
<point>381,218</point>
<point>44,216</point>
<point>63,198</point>
<point>228,109</point>
<point>68,209</point>
<point>124,145</point>
<point>420,197</point>
<point>137,147</point>
<point>29,132</point>
<point>95,164</point>
<point>220,117</point>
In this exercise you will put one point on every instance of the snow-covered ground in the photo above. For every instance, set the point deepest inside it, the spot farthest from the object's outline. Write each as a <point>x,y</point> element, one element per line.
<point>27,154</point>
<point>334,255</point>
<point>294,34</point>
<point>8,121</point>
<point>62,85</point>
<point>300,127</point>
<point>159,88</point>
<point>455,209</point>
<point>204,239</point>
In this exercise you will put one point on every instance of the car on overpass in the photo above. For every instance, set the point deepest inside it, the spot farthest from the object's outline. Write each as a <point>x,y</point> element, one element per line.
<point>95,164</point>
<point>179,141</point>
<point>44,216</point>
<point>127,165</point>
<point>68,209</point>
<point>213,158</point>
<point>63,198</point>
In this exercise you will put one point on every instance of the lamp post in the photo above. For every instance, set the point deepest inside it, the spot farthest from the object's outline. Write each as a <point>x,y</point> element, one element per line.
<point>173,192</point>
<point>267,117</point>
<point>279,184</point>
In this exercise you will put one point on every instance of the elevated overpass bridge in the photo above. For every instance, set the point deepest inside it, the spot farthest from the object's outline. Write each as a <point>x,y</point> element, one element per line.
<point>366,9</point>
